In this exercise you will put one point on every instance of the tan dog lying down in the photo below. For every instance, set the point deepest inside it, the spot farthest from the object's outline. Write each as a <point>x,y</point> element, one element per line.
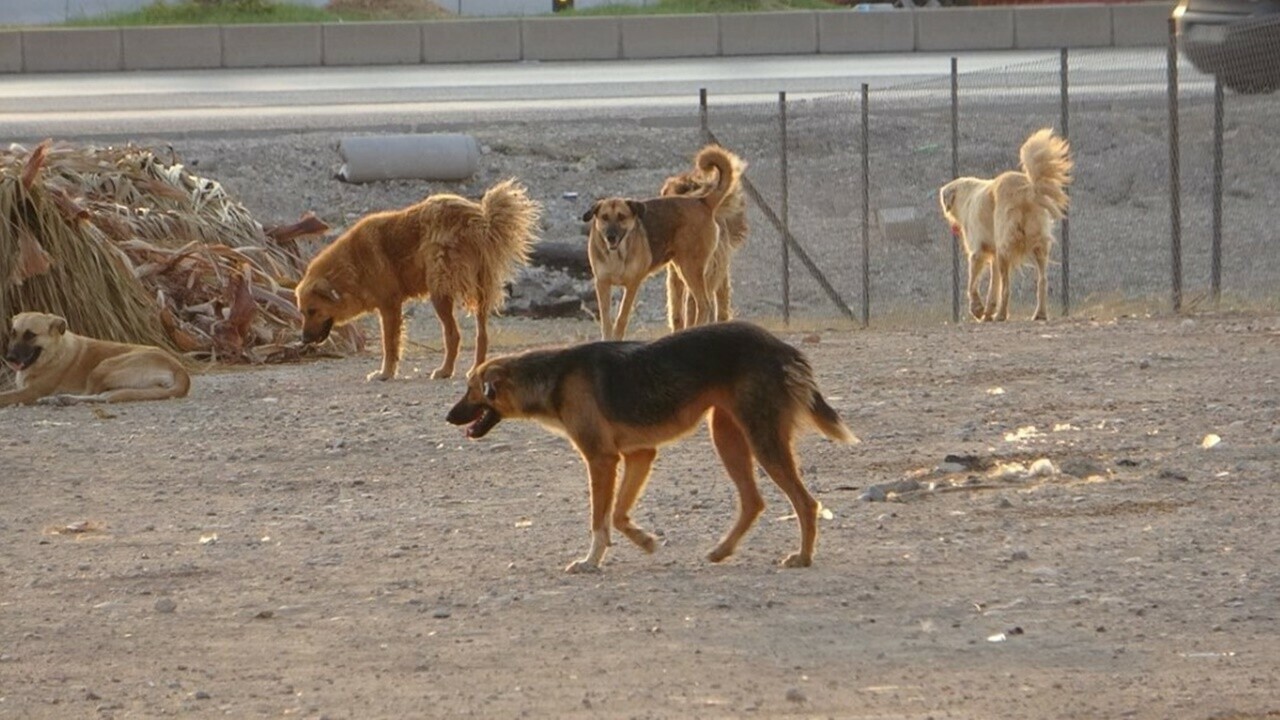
<point>50,361</point>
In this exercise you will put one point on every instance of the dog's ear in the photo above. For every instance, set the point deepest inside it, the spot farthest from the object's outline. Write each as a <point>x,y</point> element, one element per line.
<point>58,326</point>
<point>327,291</point>
<point>946,196</point>
<point>591,212</point>
<point>637,208</point>
<point>493,381</point>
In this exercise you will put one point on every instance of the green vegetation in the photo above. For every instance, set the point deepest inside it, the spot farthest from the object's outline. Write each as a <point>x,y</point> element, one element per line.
<point>235,12</point>
<point>241,12</point>
<point>671,7</point>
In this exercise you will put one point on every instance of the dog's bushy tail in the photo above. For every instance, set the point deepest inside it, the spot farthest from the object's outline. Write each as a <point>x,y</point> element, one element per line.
<point>1046,159</point>
<point>511,220</point>
<point>714,157</point>
<point>814,408</point>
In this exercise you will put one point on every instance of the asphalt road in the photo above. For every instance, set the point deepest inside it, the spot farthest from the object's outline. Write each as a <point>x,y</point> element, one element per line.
<point>215,101</point>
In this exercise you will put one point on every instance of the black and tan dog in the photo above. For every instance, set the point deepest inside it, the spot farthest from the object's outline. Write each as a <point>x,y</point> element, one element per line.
<point>620,401</point>
<point>50,361</point>
<point>632,239</point>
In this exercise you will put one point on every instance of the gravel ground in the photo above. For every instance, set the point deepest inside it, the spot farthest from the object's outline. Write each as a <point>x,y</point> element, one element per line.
<point>293,541</point>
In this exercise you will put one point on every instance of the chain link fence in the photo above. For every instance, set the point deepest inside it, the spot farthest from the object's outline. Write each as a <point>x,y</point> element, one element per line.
<point>1140,237</point>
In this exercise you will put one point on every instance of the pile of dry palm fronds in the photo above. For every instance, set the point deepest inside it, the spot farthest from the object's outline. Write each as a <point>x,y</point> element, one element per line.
<point>133,248</point>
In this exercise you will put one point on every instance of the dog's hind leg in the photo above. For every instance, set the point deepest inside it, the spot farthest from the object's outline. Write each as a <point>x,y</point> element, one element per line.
<point>449,332</point>
<point>703,301</point>
<point>1041,257</point>
<point>482,336</point>
<point>392,323</point>
<point>994,291</point>
<point>1006,287</point>
<point>603,469</point>
<point>724,298</point>
<point>676,300</point>
<point>770,431</point>
<point>782,469</point>
<point>735,453</point>
<point>977,263</point>
<point>635,472</point>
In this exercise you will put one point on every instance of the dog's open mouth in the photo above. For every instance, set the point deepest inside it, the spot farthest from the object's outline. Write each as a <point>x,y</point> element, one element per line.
<point>481,427</point>
<point>478,418</point>
<point>19,361</point>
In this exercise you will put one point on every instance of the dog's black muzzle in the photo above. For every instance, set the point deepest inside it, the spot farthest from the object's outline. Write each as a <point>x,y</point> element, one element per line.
<point>22,356</point>
<point>613,236</point>
<point>317,336</point>
<point>481,417</point>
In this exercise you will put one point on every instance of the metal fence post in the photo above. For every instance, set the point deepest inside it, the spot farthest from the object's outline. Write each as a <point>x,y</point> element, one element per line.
<point>866,207</point>
<point>1215,266</point>
<point>1175,178</point>
<point>786,213</point>
<point>703,123</point>
<point>1066,221</point>
<point>955,173</point>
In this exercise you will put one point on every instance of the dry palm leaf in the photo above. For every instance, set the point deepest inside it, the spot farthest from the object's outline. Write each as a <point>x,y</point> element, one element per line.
<point>132,248</point>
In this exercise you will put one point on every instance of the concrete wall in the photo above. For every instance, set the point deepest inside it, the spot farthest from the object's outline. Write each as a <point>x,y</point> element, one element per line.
<point>584,38</point>
<point>984,28</point>
<point>471,41</point>
<point>666,36</point>
<point>883,31</point>
<point>40,12</point>
<point>171,48</point>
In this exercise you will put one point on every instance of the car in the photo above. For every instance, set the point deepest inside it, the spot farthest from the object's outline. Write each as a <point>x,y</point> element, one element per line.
<point>1237,41</point>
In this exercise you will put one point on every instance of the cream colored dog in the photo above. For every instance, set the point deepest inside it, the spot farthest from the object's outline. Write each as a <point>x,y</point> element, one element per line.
<point>1008,219</point>
<point>53,362</point>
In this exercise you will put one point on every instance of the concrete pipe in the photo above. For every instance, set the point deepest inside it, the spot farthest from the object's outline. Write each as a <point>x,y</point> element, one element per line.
<point>437,156</point>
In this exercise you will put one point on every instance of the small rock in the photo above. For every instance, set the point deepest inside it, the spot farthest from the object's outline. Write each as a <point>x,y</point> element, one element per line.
<point>1081,467</point>
<point>1170,474</point>
<point>875,493</point>
<point>1004,502</point>
<point>796,695</point>
<point>201,695</point>
<point>166,605</point>
<point>91,695</point>
<point>441,613</point>
<point>1043,467</point>
<point>1018,555</point>
<point>950,468</point>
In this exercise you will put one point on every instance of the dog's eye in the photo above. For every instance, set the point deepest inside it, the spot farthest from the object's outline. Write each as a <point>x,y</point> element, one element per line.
<point>28,336</point>
<point>490,392</point>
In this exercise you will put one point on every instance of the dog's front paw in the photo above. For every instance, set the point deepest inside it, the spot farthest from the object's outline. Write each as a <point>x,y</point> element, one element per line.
<point>1040,316</point>
<point>380,375</point>
<point>56,400</point>
<point>796,560</point>
<point>585,565</point>
<point>441,374</point>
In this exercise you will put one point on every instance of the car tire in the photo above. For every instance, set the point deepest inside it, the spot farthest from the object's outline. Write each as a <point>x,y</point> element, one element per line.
<point>1251,84</point>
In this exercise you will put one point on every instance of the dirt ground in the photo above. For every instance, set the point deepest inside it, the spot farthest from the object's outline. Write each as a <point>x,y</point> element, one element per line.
<point>292,541</point>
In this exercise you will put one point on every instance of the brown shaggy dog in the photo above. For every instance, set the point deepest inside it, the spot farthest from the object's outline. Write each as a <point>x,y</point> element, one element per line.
<point>618,402</point>
<point>632,239</point>
<point>1008,219</point>
<point>446,247</point>
<point>731,219</point>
